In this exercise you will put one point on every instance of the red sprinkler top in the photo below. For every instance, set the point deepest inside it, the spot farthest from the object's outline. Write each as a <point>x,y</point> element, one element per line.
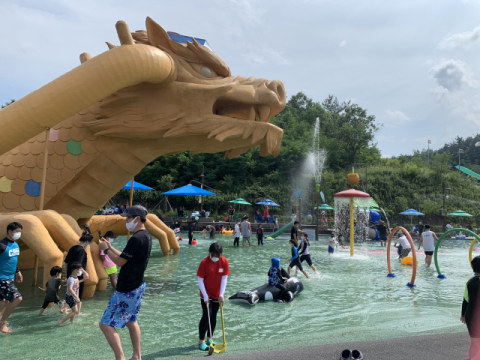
<point>352,193</point>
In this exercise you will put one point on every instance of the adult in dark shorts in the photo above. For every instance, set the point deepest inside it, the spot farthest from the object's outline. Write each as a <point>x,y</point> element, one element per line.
<point>470,309</point>
<point>191,228</point>
<point>420,229</point>
<point>428,239</point>
<point>295,260</point>
<point>231,213</point>
<point>77,254</point>
<point>294,232</point>
<point>382,233</point>
<point>9,295</point>
<point>124,305</point>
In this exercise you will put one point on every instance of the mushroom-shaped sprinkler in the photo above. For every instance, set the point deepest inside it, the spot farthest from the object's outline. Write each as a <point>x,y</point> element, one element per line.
<point>345,204</point>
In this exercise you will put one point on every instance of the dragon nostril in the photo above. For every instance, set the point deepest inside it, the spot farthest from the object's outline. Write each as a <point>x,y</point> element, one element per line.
<point>277,87</point>
<point>280,91</point>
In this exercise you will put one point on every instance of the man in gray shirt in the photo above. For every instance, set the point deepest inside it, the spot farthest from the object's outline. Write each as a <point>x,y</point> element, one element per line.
<point>246,231</point>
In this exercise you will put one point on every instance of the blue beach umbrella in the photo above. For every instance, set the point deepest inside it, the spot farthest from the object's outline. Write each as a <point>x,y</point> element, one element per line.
<point>136,186</point>
<point>268,202</point>
<point>411,212</point>
<point>188,190</point>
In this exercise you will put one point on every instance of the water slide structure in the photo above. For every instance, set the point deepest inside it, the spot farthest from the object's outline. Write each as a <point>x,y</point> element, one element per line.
<point>70,146</point>
<point>281,231</point>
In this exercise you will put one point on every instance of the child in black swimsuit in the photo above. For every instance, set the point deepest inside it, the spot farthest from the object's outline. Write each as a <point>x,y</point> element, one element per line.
<point>470,311</point>
<point>295,260</point>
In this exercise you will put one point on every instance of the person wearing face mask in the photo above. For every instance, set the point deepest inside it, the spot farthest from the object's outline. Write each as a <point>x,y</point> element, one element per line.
<point>9,295</point>
<point>212,280</point>
<point>124,305</point>
<point>108,264</point>
<point>77,254</point>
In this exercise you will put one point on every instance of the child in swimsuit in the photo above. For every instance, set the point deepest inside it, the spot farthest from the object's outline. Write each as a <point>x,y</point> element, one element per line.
<point>304,254</point>
<point>332,244</point>
<point>295,260</point>
<point>274,278</point>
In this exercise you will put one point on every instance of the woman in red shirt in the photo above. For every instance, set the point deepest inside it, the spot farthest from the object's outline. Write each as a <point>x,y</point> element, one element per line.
<point>212,281</point>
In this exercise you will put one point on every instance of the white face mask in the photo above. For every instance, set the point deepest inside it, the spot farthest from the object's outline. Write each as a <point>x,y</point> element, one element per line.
<point>87,246</point>
<point>16,236</point>
<point>131,225</point>
<point>109,240</point>
<point>79,273</point>
<point>214,259</point>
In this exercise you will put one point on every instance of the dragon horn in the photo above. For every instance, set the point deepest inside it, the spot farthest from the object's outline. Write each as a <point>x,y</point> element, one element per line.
<point>81,87</point>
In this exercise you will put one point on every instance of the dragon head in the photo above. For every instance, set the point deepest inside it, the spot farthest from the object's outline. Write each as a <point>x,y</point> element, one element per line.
<point>199,106</point>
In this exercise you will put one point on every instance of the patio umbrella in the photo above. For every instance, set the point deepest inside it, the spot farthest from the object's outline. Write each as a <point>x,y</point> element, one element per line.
<point>188,190</point>
<point>133,185</point>
<point>136,186</point>
<point>240,201</point>
<point>324,207</point>
<point>459,213</point>
<point>268,202</point>
<point>412,213</point>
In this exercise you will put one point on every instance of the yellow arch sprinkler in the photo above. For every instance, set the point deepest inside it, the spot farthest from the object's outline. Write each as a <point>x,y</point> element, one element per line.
<point>349,203</point>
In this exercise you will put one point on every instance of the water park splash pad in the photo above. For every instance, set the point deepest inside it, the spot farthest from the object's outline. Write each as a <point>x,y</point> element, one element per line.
<point>351,300</point>
<point>352,215</point>
<point>70,146</point>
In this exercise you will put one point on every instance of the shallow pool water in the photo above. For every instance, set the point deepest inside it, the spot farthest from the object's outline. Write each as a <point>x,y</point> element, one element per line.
<point>352,299</point>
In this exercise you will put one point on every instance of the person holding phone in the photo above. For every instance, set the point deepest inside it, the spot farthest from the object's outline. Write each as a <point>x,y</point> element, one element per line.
<point>125,303</point>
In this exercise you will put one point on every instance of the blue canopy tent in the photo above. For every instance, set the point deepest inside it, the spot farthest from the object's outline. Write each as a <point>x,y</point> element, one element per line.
<point>182,39</point>
<point>136,186</point>
<point>412,213</point>
<point>133,185</point>
<point>188,190</point>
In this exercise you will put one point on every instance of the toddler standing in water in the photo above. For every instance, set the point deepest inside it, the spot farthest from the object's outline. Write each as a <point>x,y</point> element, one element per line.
<point>332,245</point>
<point>260,234</point>
<point>53,284</point>
<point>71,297</point>
<point>108,264</point>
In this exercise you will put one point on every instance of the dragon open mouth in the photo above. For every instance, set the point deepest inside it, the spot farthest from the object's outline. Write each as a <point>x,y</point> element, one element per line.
<point>234,109</point>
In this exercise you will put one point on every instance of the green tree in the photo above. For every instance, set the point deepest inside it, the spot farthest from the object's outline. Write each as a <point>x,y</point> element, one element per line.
<point>8,103</point>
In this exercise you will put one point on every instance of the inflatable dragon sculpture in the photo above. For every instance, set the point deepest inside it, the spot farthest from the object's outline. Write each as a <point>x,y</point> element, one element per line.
<point>110,117</point>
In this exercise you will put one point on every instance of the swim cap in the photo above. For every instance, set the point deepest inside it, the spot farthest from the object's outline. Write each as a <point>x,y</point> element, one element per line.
<point>276,262</point>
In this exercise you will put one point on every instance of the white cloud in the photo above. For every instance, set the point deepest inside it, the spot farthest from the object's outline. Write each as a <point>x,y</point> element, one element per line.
<point>267,55</point>
<point>343,43</point>
<point>395,118</point>
<point>464,39</point>
<point>453,75</point>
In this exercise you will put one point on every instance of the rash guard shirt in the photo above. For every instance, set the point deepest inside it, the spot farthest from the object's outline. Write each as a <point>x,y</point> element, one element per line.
<point>9,252</point>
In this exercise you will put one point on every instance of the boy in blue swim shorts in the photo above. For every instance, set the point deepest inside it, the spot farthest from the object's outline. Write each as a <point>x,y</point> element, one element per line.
<point>332,244</point>
<point>124,305</point>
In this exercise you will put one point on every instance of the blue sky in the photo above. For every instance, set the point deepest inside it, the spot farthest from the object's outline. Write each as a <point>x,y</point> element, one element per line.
<point>412,64</point>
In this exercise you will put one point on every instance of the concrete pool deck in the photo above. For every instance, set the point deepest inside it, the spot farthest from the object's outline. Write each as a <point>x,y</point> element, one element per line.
<point>451,346</point>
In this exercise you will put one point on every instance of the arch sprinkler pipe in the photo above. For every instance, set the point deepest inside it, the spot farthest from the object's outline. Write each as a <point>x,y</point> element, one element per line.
<point>437,245</point>
<point>414,255</point>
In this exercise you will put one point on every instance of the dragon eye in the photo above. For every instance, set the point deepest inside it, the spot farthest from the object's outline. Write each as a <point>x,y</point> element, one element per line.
<point>206,72</point>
